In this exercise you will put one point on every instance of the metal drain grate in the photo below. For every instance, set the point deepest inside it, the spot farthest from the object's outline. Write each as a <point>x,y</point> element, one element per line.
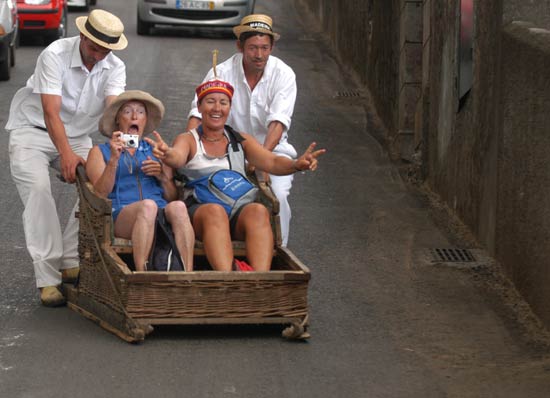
<point>347,94</point>
<point>450,255</point>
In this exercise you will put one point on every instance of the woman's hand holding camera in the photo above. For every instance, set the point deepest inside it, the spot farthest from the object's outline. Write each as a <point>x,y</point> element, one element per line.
<point>117,145</point>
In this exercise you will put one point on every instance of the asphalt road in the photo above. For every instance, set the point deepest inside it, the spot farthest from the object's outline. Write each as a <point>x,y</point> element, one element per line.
<point>386,321</point>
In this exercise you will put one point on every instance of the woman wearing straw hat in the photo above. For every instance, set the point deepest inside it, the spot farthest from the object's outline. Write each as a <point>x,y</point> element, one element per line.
<point>125,170</point>
<point>50,123</point>
<point>201,152</point>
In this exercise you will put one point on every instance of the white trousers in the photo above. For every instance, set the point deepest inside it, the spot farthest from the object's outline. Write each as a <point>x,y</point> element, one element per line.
<point>32,153</point>
<point>281,188</point>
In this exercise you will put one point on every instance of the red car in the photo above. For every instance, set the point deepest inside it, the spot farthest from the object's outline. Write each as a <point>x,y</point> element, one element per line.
<point>47,18</point>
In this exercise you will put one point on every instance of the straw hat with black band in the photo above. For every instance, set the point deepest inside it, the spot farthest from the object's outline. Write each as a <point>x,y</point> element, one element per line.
<point>258,23</point>
<point>155,111</point>
<point>103,28</point>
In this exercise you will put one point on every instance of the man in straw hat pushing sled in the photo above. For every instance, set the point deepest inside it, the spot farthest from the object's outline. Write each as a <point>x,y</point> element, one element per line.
<point>263,103</point>
<point>49,123</point>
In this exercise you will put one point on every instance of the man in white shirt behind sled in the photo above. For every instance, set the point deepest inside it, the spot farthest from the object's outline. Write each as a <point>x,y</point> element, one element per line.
<point>263,102</point>
<point>50,123</point>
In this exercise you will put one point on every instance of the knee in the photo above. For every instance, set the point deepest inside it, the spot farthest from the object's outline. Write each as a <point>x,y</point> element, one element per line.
<point>256,215</point>
<point>176,212</point>
<point>148,210</point>
<point>212,215</point>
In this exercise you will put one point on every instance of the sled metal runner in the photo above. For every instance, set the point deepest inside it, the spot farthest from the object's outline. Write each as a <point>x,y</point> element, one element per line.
<point>129,303</point>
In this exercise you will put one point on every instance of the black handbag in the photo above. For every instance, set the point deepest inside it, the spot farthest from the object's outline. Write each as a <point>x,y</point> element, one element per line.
<point>164,255</point>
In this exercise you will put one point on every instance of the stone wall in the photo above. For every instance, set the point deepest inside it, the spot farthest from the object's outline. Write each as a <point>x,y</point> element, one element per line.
<point>523,227</point>
<point>461,138</point>
<point>487,159</point>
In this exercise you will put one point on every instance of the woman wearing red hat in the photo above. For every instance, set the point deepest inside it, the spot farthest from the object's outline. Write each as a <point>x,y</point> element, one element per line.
<point>211,147</point>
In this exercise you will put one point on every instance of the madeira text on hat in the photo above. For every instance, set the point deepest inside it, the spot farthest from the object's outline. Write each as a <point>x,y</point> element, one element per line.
<point>214,86</point>
<point>258,23</point>
<point>103,28</point>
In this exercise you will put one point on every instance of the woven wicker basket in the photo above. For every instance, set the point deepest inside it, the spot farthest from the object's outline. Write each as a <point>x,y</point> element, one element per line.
<point>128,303</point>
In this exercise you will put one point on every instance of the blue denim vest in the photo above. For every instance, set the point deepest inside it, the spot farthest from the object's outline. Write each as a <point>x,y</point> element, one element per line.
<point>132,184</point>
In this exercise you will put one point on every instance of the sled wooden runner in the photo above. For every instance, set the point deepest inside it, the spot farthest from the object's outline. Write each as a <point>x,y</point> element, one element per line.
<point>129,303</point>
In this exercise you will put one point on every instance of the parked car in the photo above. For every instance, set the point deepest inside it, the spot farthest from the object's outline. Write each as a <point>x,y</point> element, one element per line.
<point>8,37</point>
<point>47,18</point>
<point>83,4</point>
<point>191,13</point>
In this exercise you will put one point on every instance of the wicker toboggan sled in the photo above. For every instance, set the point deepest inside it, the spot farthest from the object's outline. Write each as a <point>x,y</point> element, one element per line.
<point>129,303</point>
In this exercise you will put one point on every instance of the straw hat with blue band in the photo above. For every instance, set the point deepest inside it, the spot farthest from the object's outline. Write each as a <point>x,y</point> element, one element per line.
<point>104,29</point>
<point>258,23</point>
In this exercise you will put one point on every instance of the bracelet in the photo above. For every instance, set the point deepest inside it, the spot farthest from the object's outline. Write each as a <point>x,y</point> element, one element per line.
<point>294,166</point>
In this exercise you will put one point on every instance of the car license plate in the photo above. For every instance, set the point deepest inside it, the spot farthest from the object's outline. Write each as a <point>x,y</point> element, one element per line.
<point>195,4</point>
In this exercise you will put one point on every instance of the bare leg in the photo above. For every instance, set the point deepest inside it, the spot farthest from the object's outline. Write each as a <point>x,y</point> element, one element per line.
<point>137,222</point>
<point>177,216</point>
<point>212,228</point>
<point>254,228</point>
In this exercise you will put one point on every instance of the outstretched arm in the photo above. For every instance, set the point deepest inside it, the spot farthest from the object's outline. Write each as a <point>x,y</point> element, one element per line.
<point>174,156</point>
<point>265,160</point>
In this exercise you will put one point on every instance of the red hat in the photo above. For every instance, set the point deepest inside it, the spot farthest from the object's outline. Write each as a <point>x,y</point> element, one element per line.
<point>214,86</point>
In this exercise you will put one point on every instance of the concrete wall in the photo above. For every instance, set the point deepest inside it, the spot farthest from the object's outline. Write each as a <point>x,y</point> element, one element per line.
<point>523,227</point>
<point>488,159</point>
<point>461,142</point>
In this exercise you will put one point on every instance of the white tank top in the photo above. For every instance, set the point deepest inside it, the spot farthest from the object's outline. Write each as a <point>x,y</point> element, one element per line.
<point>203,164</point>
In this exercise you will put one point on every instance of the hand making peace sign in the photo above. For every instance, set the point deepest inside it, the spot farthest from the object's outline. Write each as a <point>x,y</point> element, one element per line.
<point>308,161</point>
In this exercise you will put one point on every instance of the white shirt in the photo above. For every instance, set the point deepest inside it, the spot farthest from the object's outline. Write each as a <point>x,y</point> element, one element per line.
<point>273,99</point>
<point>60,71</point>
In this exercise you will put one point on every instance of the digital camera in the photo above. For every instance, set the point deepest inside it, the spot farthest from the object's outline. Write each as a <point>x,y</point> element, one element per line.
<point>130,140</point>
